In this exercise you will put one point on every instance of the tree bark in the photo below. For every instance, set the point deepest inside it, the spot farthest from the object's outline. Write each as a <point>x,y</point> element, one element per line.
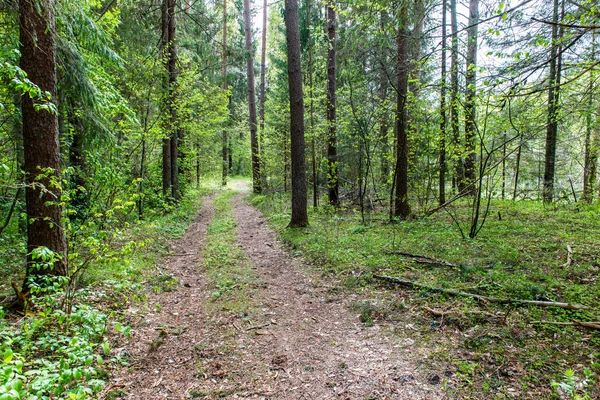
<point>442,150</point>
<point>299,200</point>
<point>401,206</point>
<point>41,139</point>
<point>224,162</point>
<point>552,123</point>
<point>454,104</point>
<point>383,93</point>
<point>256,182</point>
<point>311,106</point>
<point>470,94</point>
<point>172,93</point>
<point>332,168</point>
<point>80,198</point>
<point>590,157</point>
<point>263,73</point>
<point>166,142</point>
<point>518,166</point>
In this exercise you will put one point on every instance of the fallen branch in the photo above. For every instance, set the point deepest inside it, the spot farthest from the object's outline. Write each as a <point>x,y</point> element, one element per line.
<point>439,313</point>
<point>258,326</point>
<point>419,259</point>
<point>424,259</point>
<point>591,325</point>
<point>483,299</point>
<point>569,257</point>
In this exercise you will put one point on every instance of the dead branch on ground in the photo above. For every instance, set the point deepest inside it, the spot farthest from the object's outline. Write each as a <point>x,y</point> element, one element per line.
<point>483,299</point>
<point>569,257</point>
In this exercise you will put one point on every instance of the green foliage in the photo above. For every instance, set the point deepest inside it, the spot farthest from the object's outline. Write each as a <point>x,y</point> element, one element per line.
<point>573,387</point>
<point>51,353</point>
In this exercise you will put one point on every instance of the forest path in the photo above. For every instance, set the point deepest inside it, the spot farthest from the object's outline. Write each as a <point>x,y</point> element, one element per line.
<point>296,339</point>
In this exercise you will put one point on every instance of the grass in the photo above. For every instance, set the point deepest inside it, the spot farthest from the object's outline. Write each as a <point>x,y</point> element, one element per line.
<point>231,278</point>
<point>484,347</point>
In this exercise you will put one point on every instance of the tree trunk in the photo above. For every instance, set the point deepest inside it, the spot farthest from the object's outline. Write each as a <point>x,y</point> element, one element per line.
<point>442,150</point>
<point>588,186</point>
<point>166,142</point>
<point>263,72</point>
<point>552,123</point>
<point>80,197</point>
<point>470,95</point>
<point>401,207</point>
<point>503,166</point>
<point>41,139</point>
<point>299,200</point>
<point>454,104</point>
<point>172,93</point>
<point>225,139</point>
<point>383,93</point>
<point>518,166</point>
<point>311,107</point>
<point>332,168</point>
<point>256,182</point>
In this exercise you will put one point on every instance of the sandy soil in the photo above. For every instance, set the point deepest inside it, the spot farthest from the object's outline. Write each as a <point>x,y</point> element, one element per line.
<point>305,343</point>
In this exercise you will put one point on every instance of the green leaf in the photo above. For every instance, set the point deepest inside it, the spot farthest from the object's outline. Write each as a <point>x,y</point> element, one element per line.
<point>8,355</point>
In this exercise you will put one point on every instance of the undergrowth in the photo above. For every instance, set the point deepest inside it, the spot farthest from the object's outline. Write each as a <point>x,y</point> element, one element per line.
<point>476,347</point>
<point>59,348</point>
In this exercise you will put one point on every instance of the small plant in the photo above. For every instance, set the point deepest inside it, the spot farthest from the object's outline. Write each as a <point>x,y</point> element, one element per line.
<point>572,387</point>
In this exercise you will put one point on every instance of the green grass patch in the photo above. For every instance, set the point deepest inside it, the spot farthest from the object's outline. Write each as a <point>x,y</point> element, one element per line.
<point>519,253</point>
<point>231,278</point>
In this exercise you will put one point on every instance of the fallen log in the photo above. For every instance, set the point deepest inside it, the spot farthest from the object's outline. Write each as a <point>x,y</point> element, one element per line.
<point>478,297</point>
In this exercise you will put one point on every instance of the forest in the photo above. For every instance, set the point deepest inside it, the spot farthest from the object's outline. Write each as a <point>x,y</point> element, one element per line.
<point>370,199</point>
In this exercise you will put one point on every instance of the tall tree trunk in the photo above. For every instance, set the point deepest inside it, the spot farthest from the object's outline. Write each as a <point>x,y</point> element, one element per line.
<point>588,186</point>
<point>401,206</point>
<point>41,139</point>
<point>173,130</point>
<point>454,104</point>
<point>332,167</point>
<point>594,160</point>
<point>552,123</point>
<point>256,181</point>
<point>263,73</point>
<point>503,166</point>
<point>313,153</point>
<point>442,150</point>
<point>80,198</point>
<point>470,94</point>
<point>299,200</point>
<point>166,142</point>
<point>224,162</point>
<point>518,167</point>
<point>383,92</point>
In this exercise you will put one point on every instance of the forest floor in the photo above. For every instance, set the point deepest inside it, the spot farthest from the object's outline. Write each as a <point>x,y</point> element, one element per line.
<point>237,315</point>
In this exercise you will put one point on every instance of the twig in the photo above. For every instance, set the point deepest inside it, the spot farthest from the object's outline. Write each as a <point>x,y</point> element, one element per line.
<point>484,299</point>
<point>569,257</point>
<point>258,326</point>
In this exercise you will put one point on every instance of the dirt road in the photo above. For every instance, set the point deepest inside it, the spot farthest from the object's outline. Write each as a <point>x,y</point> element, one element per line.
<point>299,341</point>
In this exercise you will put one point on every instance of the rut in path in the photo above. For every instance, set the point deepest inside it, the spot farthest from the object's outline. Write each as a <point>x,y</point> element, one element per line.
<point>304,345</point>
